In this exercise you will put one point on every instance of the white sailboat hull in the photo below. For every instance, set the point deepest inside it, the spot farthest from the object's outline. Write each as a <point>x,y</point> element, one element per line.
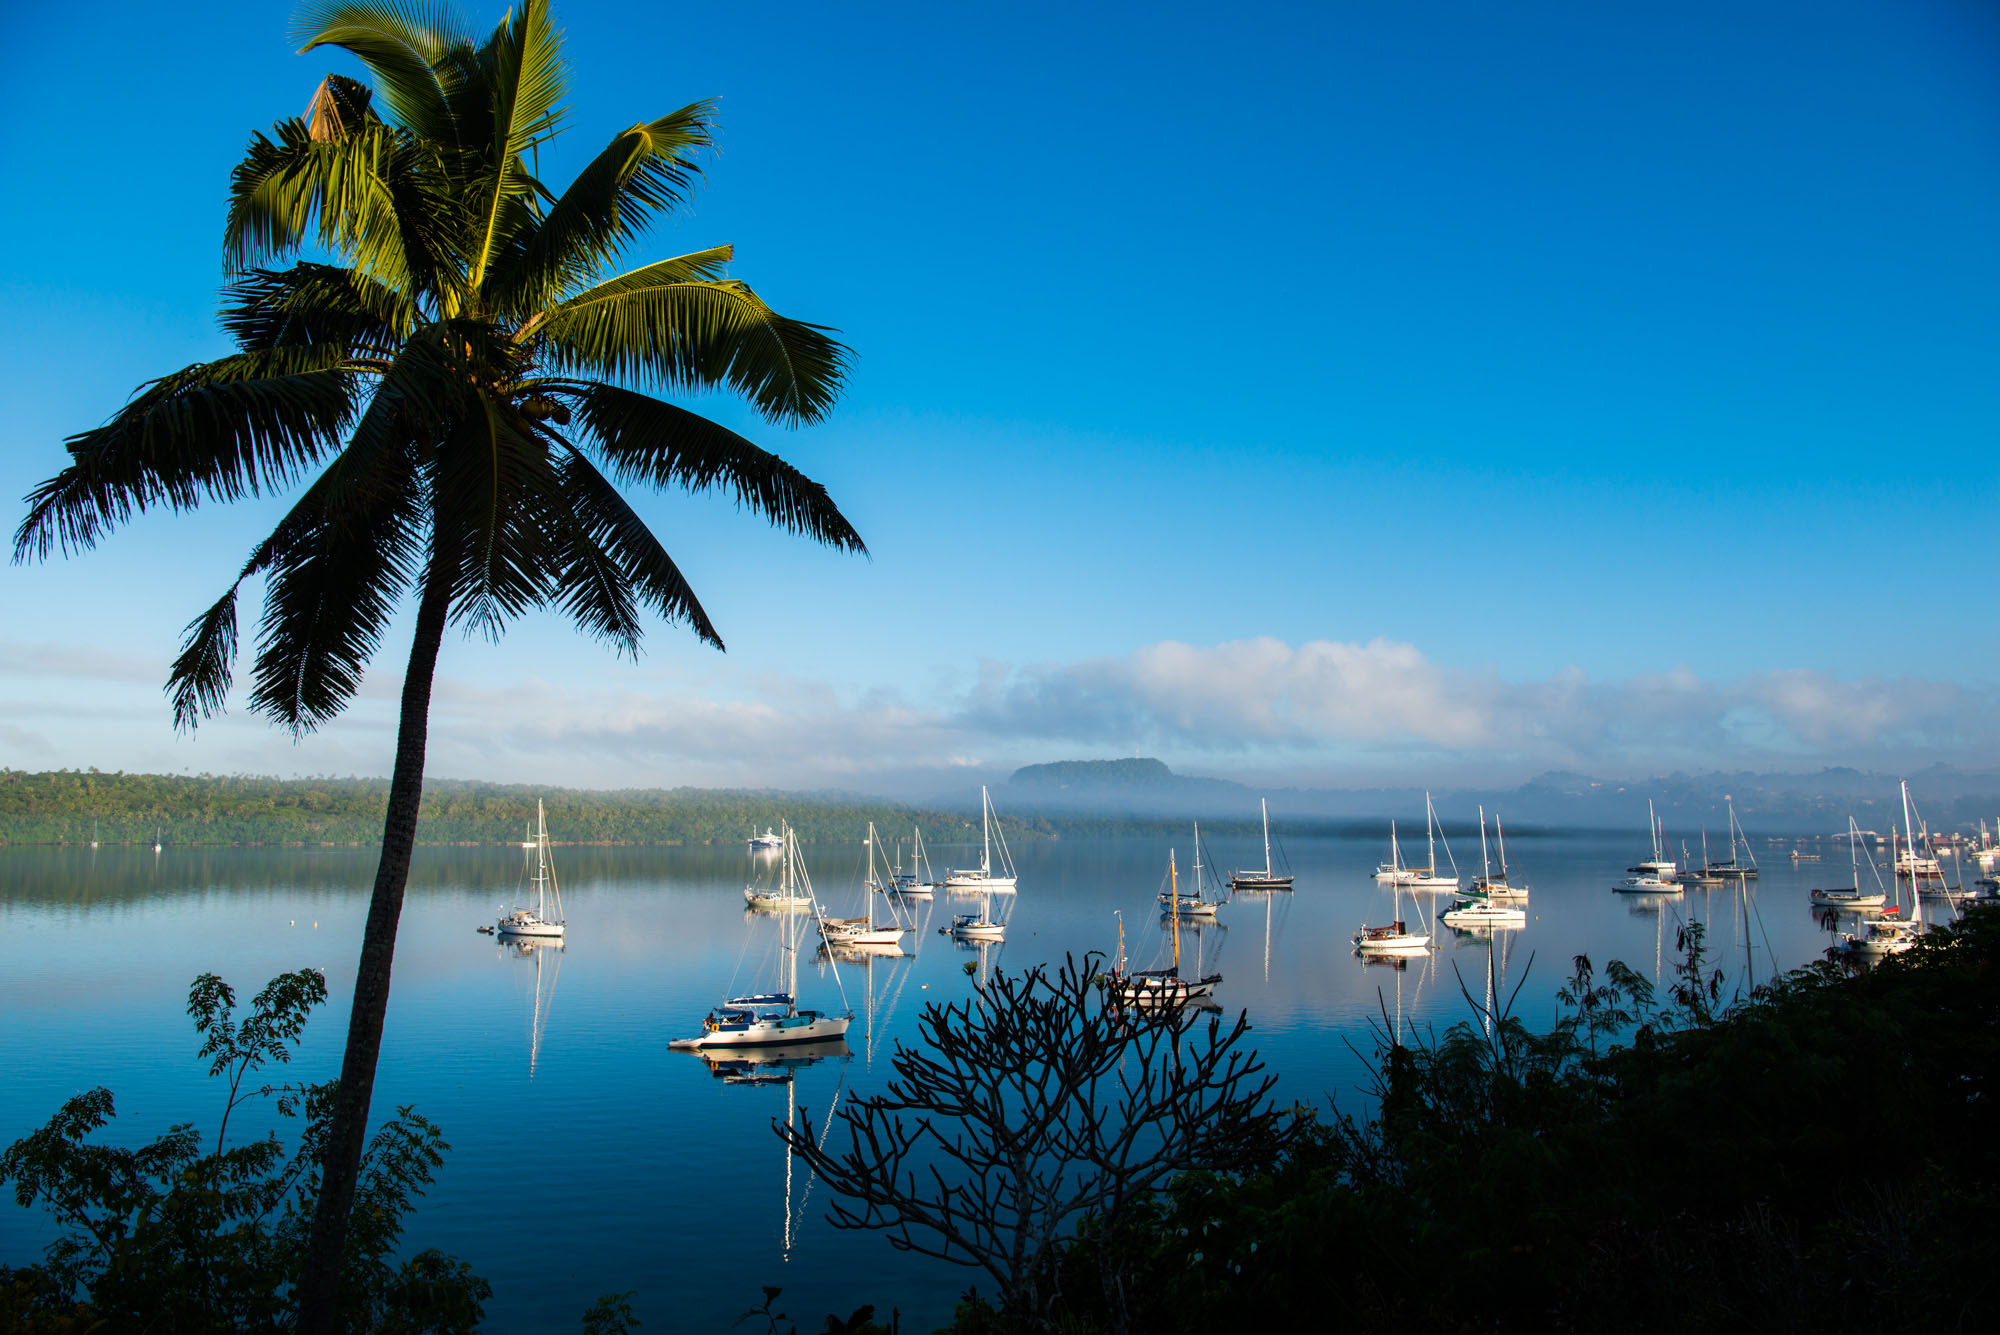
<point>776,900</point>
<point>765,1031</point>
<point>1847,899</point>
<point>1377,940</point>
<point>979,882</point>
<point>865,936</point>
<point>1485,915</point>
<point>1647,885</point>
<point>527,924</point>
<point>971,928</point>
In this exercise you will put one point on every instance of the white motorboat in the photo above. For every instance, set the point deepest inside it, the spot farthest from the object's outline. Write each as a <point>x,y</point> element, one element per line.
<point>987,877</point>
<point>1268,877</point>
<point>768,842</point>
<point>774,1018</point>
<point>545,919</point>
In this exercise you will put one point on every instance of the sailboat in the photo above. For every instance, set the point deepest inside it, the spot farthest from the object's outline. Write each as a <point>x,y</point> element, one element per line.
<point>1270,878</point>
<point>789,897</point>
<point>545,919</point>
<point>1655,877</point>
<point>915,883</point>
<point>1193,903</point>
<point>1478,909</point>
<point>985,878</point>
<point>1735,867</point>
<point>771,1018</point>
<point>1393,937</point>
<point>1690,874</point>
<point>1496,887</point>
<point>1419,878</point>
<point>1853,898</point>
<point>1160,985</point>
<point>863,931</point>
<point>1888,935</point>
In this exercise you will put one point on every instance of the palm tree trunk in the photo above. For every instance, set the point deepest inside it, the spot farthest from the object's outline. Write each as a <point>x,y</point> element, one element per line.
<point>347,1130</point>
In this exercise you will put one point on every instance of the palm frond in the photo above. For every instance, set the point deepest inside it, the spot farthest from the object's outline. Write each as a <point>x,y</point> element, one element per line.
<point>371,496</point>
<point>522,63</point>
<point>692,336</point>
<point>415,51</point>
<point>646,172</point>
<point>361,195</point>
<point>497,502</point>
<point>334,574</point>
<point>199,680</point>
<point>316,306</point>
<point>616,555</point>
<point>215,430</point>
<point>645,440</point>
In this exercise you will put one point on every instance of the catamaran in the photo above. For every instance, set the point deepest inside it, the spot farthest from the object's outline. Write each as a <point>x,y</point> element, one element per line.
<point>1192,903</point>
<point>984,878</point>
<point>1269,878</point>
<point>1478,909</point>
<point>1853,898</point>
<point>545,919</point>
<point>774,1017</point>
<point>864,931</point>
<point>1654,877</point>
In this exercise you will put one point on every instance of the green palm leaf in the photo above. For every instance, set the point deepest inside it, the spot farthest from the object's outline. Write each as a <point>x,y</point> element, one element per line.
<point>637,563</point>
<point>694,336</point>
<point>232,427</point>
<point>646,440</point>
<point>648,170</point>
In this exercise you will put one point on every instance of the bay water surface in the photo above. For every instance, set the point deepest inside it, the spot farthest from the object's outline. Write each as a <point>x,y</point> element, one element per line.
<point>587,1158</point>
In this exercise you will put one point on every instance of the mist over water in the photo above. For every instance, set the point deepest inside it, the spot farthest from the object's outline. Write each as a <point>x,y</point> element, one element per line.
<point>591,1159</point>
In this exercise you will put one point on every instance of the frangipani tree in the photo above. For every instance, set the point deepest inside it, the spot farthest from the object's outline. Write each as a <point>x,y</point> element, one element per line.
<point>459,363</point>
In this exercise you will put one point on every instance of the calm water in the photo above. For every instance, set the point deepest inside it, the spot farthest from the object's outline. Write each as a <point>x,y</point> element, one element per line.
<point>594,1159</point>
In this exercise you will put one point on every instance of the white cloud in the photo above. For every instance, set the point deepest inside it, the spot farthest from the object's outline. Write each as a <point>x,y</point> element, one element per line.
<point>1333,712</point>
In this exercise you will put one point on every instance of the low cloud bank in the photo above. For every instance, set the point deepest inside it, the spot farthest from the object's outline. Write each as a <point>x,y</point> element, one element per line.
<point>1332,713</point>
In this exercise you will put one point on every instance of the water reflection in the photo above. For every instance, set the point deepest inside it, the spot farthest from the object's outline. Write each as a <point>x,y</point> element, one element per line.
<point>547,953</point>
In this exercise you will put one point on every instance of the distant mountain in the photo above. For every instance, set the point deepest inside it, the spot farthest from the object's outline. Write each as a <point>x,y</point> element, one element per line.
<point>1145,789</point>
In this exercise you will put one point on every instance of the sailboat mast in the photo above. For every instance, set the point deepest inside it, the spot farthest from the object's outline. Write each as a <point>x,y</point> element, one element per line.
<point>1485,867</point>
<point>1266,805</point>
<point>985,831</point>
<point>1174,912</point>
<point>1910,838</point>
<point>1431,830</point>
<point>1653,824</point>
<point>1501,834</point>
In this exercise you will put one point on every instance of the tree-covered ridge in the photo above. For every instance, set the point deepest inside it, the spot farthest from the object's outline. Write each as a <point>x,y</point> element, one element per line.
<point>77,806</point>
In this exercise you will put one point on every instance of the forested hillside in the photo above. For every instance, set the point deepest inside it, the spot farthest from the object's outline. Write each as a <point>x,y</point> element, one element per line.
<point>76,806</point>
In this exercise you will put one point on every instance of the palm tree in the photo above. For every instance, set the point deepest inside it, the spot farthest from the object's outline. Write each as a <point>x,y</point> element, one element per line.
<point>457,362</point>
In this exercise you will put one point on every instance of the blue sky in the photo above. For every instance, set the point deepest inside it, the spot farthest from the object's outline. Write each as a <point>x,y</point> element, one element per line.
<point>1341,394</point>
